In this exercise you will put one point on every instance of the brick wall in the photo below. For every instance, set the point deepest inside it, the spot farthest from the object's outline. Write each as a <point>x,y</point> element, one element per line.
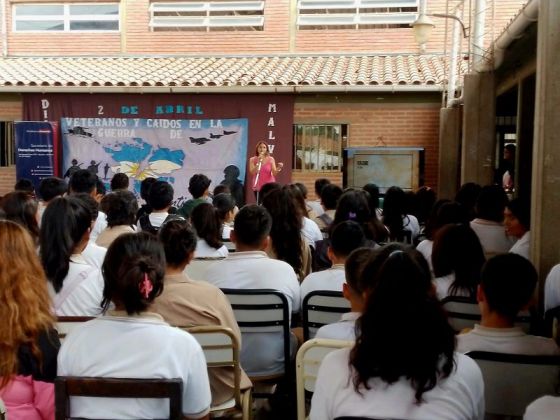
<point>372,124</point>
<point>277,37</point>
<point>308,179</point>
<point>7,179</point>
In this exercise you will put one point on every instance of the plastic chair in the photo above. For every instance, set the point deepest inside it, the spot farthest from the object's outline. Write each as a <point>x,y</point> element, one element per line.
<point>308,359</point>
<point>221,349</point>
<point>67,386</point>
<point>322,307</point>
<point>262,311</point>
<point>513,381</point>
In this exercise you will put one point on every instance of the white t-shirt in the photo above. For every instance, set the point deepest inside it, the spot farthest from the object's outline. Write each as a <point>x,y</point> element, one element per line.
<point>457,397</point>
<point>521,247</point>
<point>425,248</point>
<point>345,329</point>
<point>99,226</point>
<point>552,288</point>
<point>141,346</point>
<point>262,353</point>
<point>82,290</point>
<point>442,287</point>
<point>544,408</point>
<point>203,250</point>
<point>410,222</point>
<point>316,206</point>
<point>310,231</point>
<point>331,279</point>
<point>505,340</point>
<point>492,236</point>
<point>156,219</point>
<point>94,254</point>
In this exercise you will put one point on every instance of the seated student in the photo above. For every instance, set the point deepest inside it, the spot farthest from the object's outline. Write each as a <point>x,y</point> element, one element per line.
<point>135,342</point>
<point>226,208</point>
<point>309,229</point>
<point>507,285</point>
<point>22,208</point>
<point>345,329</point>
<point>29,341</point>
<point>543,408</point>
<point>345,238</point>
<point>75,285</point>
<point>119,182</point>
<point>49,188</point>
<point>517,221</point>
<point>329,199</point>
<point>145,186</point>
<point>199,185</point>
<point>83,181</point>
<point>92,253</point>
<point>383,376</point>
<point>316,204</point>
<point>189,303</point>
<point>160,198</point>
<point>121,208</point>
<point>208,226</point>
<point>552,288</point>
<point>251,268</point>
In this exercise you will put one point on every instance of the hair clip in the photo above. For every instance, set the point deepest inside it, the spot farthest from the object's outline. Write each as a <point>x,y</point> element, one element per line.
<point>146,286</point>
<point>396,251</point>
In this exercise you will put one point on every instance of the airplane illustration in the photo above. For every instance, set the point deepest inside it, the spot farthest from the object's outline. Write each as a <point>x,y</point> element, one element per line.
<point>80,131</point>
<point>215,136</point>
<point>229,132</point>
<point>199,140</point>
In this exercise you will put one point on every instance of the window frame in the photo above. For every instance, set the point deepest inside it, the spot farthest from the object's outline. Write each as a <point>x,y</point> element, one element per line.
<point>322,156</point>
<point>66,18</point>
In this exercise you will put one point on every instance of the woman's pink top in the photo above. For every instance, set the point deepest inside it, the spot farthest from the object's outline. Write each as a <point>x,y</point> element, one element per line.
<point>265,174</point>
<point>28,399</point>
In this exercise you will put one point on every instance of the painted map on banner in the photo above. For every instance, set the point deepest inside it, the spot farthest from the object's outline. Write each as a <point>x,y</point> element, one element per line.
<point>170,150</point>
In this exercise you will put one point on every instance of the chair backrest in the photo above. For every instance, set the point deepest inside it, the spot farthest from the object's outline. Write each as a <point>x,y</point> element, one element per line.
<point>308,359</point>
<point>322,307</point>
<point>512,381</point>
<point>196,269</point>
<point>221,349</point>
<point>463,312</point>
<point>65,324</point>
<point>262,311</point>
<point>67,386</point>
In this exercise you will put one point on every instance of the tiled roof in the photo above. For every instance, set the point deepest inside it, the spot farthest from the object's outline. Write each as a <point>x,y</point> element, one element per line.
<point>371,72</point>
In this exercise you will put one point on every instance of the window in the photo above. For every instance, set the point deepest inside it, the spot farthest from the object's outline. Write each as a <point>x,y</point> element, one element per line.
<point>72,17</point>
<point>356,14</point>
<point>7,144</point>
<point>207,16</point>
<point>318,147</point>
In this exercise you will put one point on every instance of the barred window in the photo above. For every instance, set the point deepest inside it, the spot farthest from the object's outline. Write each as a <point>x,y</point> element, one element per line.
<point>72,17</point>
<point>318,147</point>
<point>356,14</point>
<point>7,144</point>
<point>207,16</point>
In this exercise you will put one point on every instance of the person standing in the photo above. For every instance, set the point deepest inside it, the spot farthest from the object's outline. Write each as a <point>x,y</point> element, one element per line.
<point>263,167</point>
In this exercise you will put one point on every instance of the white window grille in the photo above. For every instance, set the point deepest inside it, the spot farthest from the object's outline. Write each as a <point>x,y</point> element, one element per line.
<point>71,17</point>
<point>356,14</point>
<point>207,16</point>
<point>318,147</point>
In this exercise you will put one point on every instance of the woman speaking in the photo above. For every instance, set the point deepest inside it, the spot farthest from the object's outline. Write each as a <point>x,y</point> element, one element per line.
<point>263,168</point>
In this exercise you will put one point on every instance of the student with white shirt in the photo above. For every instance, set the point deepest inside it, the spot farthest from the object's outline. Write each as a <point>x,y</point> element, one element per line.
<point>137,343</point>
<point>208,226</point>
<point>75,285</point>
<point>507,285</point>
<point>517,222</point>
<point>384,375</point>
<point>84,181</point>
<point>92,253</point>
<point>121,208</point>
<point>160,198</point>
<point>225,205</point>
<point>345,238</point>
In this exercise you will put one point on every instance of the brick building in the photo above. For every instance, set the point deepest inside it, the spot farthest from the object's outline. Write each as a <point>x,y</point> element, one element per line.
<point>352,68</point>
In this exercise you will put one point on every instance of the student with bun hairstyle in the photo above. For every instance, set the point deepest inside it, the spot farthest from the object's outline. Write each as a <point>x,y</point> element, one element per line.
<point>135,342</point>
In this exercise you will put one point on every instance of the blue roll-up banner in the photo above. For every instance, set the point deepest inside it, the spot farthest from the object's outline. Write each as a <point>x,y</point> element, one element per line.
<point>36,150</point>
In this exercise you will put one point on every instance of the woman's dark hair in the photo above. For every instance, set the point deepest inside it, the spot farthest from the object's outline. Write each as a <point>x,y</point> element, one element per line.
<point>353,205</point>
<point>299,200</point>
<point>65,222</point>
<point>402,309</point>
<point>491,203</point>
<point>444,212</point>
<point>269,186</point>
<point>373,199</point>
<point>133,271</point>
<point>207,223</point>
<point>221,189</point>
<point>224,203</point>
<point>394,210</point>
<point>120,207</point>
<point>286,226</point>
<point>424,200</point>
<point>457,250</point>
<point>21,207</point>
<point>179,241</point>
<point>466,197</point>
<point>302,188</point>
